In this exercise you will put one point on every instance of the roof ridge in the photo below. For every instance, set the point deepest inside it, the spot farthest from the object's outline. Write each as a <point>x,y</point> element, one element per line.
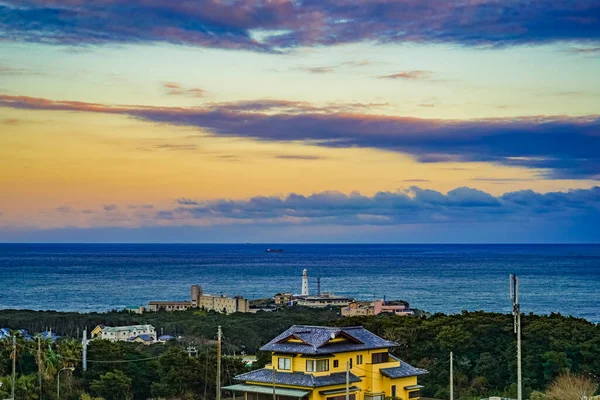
<point>316,326</point>
<point>342,328</point>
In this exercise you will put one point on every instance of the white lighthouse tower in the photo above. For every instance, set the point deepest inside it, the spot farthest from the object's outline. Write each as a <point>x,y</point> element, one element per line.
<point>304,282</point>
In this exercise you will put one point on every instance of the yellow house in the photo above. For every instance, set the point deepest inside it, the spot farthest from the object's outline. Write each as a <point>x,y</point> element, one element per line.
<point>325,363</point>
<point>97,331</point>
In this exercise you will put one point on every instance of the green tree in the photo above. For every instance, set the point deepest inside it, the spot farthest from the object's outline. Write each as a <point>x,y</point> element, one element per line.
<point>113,385</point>
<point>453,338</point>
<point>487,366</point>
<point>26,387</point>
<point>86,396</point>
<point>555,363</point>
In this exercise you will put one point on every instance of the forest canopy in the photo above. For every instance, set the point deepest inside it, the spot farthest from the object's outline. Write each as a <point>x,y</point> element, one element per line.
<point>483,345</point>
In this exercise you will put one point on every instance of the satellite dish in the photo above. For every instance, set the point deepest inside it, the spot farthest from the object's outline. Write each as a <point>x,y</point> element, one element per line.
<point>332,335</point>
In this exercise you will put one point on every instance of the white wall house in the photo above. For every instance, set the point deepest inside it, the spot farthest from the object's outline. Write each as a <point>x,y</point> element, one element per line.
<point>124,333</point>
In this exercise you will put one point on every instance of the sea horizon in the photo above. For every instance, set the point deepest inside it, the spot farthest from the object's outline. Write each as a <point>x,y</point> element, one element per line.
<point>448,278</point>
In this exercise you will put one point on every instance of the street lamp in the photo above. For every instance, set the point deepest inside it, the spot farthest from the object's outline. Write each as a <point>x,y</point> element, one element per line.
<point>58,380</point>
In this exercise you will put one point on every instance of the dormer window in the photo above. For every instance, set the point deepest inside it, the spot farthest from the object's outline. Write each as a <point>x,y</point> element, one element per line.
<point>317,365</point>
<point>284,363</point>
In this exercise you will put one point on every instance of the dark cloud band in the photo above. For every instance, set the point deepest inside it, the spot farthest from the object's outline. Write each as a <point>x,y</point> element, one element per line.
<point>285,24</point>
<point>556,146</point>
<point>414,206</point>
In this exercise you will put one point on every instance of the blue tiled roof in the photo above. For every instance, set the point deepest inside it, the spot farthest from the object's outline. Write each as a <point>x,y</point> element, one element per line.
<point>296,378</point>
<point>49,335</point>
<point>145,338</point>
<point>315,340</point>
<point>166,337</point>
<point>402,371</point>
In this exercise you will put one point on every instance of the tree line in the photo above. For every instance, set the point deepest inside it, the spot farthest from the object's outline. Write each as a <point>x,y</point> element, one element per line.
<point>483,344</point>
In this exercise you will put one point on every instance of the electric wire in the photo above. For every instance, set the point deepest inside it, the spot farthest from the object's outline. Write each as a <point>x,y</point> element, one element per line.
<point>97,361</point>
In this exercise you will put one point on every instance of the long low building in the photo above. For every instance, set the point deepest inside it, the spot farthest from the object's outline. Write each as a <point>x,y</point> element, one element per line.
<point>199,299</point>
<point>377,307</point>
<point>323,300</point>
<point>169,305</point>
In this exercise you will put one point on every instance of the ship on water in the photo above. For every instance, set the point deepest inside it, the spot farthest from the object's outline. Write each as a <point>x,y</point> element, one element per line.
<point>274,250</point>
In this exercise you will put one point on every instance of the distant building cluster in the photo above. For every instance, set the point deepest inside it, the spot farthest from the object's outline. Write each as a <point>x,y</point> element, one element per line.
<point>224,304</point>
<point>350,307</point>
<point>199,299</point>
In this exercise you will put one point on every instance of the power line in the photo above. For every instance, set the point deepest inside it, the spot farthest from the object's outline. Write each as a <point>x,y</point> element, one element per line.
<point>97,361</point>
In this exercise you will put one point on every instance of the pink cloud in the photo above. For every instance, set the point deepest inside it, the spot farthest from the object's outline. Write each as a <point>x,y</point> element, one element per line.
<point>409,75</point>
<point>177,89</point>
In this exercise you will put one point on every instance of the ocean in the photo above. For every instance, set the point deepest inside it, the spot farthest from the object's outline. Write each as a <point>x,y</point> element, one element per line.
<point>437,278</point>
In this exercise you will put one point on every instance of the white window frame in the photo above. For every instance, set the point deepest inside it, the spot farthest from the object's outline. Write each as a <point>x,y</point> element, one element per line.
<point>317,365</point>
<point>284,363</point>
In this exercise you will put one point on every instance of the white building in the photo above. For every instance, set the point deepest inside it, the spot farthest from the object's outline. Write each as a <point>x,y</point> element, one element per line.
<point>323,300</point>
<point>123,333</point>
<point>304,282</point>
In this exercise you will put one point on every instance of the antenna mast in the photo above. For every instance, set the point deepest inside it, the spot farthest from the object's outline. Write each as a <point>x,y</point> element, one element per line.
<point>451,376</point>
<point>219,338</point>
<point>514,294</point>
<point>319,286</point>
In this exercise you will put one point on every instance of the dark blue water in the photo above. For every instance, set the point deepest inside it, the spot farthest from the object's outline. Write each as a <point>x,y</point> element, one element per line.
<point>445,278</point>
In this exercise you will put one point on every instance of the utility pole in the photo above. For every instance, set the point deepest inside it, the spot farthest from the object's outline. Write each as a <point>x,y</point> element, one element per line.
<point>274,394</point>
<point>219,334</point>
<point>14,367</point>
<point>40,366</point>
<point>514,291</point>
<point>84,352</point>
<point>347,380</point>
<point>451,376</point>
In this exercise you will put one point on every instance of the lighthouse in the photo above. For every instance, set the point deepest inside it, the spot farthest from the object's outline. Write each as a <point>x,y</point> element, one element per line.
<point>305,282</point>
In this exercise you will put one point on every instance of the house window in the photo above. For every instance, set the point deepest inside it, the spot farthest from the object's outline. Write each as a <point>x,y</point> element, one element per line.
<point>414,394</point>
<point>285,363</point>
<point>394,391</point>
<point>336,363</point>
<point>378,358</point>
<point>317,365</point>
<point>373,396</point>
<point>350,362</point>
<point>359,359</point>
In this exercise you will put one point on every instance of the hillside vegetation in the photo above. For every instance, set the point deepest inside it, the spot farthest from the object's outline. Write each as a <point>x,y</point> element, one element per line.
<point>483,346</point>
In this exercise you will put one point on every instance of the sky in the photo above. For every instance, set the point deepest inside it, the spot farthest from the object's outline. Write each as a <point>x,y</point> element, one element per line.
<point>390,121</point>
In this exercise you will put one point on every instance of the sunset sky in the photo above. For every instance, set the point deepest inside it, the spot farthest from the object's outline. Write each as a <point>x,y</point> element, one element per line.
<point>299,121</point>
